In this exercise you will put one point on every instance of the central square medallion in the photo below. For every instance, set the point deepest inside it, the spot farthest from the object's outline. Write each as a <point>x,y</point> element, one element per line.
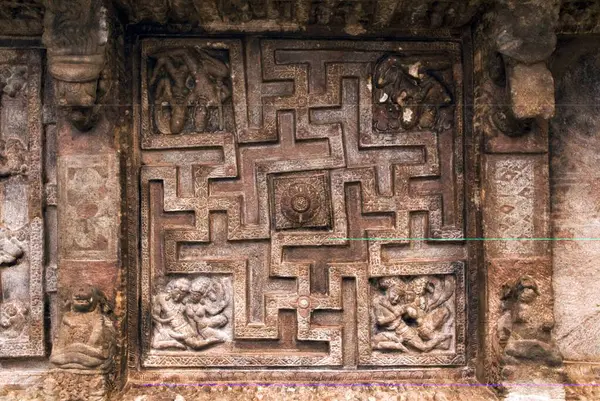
<point>301,201</point>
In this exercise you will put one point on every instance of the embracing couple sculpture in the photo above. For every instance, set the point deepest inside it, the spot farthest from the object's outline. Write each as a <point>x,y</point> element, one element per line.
<point>190,314</point>
<point>412,315</point>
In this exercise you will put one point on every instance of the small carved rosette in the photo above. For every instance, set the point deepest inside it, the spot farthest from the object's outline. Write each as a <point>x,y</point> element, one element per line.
<point>192,313</point>
<point>301,201</point>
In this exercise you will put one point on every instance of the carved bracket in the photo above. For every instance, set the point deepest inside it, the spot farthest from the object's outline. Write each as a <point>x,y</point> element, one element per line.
<point>76,36</point>
<point>524,37</point>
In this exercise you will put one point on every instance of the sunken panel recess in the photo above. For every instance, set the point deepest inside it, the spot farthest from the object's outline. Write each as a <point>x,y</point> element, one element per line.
<point>266,165</point>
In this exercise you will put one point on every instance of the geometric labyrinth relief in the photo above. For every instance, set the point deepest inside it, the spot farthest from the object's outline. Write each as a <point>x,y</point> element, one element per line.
<point>264,164</point>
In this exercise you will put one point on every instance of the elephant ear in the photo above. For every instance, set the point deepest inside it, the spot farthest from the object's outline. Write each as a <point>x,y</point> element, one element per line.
<point>387,71</point>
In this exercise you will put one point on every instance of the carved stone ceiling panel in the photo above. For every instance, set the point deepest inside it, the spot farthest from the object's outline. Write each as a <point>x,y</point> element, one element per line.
<point>266,164</point>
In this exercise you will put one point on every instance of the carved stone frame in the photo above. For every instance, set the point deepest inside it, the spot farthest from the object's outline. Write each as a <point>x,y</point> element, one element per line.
<point>459,365</point>
<point>34,345</point>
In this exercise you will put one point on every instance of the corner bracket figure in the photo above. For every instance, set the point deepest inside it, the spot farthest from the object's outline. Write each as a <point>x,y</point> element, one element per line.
<point>76,36</point>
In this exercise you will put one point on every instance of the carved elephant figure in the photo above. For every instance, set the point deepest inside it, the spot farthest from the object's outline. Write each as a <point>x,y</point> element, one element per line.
<point>412,94</point>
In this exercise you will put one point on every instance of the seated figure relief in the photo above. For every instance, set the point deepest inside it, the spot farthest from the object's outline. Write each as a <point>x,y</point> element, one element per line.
<point>413,315</point>
<point>408,97</point>
<point>523,329</point>
<point>189,87</point>
<point>13,152</point>
<point>13,319</point>
<point>191,314</point>
<point>86,337</point>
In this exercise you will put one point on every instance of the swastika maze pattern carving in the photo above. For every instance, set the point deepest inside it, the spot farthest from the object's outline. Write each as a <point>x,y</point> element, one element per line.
<point>260,204</point>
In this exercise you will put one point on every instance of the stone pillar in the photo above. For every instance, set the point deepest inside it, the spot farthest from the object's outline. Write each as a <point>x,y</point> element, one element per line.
<point>575,184</point>
<point>85,75</point>
<point>514,95</point>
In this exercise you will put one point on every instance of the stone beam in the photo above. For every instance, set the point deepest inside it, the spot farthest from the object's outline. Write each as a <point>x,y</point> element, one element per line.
<point>76,37</point>
<point>523,33</point>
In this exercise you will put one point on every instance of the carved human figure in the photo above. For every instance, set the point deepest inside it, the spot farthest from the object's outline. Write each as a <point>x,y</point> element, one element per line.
<point>431,294</point>
<point>239,10</point>
<point>173,328</point>
<point>388,310</point>
<point>13,79</point>
<point>404,320</point>
<point>523,331</point>
<point>205,305</point>
<point>167,313</point>
<point>171,94</point>
<point>407,96</point>
<point>184,79</point>
<point>86,337</point>
<point>13,318</point>
<point>324,11</point>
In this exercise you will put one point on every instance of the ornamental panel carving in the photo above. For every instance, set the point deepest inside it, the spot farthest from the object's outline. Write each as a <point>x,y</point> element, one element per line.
<point>283,185</point>
<point>21,208</point>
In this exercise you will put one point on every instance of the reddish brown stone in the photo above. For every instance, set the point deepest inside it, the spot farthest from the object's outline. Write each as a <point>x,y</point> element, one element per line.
<point>531,91</point>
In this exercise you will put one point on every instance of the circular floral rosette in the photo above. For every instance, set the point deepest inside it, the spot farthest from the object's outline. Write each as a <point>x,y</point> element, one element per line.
<point>300,203</point>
